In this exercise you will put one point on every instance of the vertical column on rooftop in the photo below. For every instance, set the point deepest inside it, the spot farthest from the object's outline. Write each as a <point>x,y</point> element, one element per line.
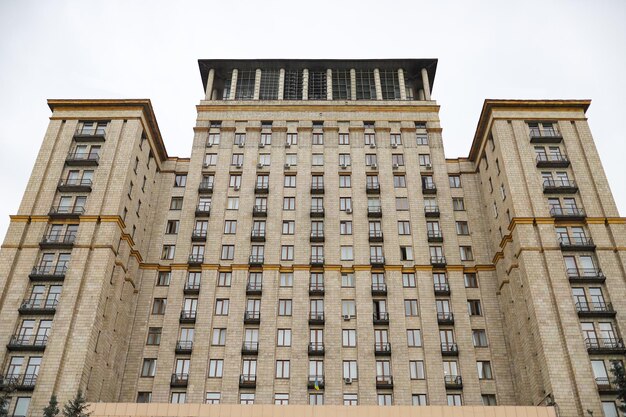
<point>401,84</point>
<point>233,84</point>
<point>209,85</point>
<point>281,84</point>
<point>420,94</point>
<point>257,83</point>
<point>329,84</point>
<point>379,90</point>
<point>305,84</point>
<point>352,84</point>
<point>425,84</point>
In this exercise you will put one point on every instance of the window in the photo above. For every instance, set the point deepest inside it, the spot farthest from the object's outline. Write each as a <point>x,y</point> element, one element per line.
<point>163,278</point>
<point>471,280</point>
<point>419,399</point>
<point>284,337</point>
<point>281,399</point>
<point>489,399</point>
<point>235,181</point>
<point>289,203</point>
<point>424,160</point>
<point>158,306</point>
<point>216,368</point>
<point>265,159</point>
<point>347,279</point>
<point>154,336</point>
<point>370,139</point>
<point>246,398</point>
<point>458,204</point>
<point>230,227</point>
<point>455,181</point>
<point>395,139</point>
<point>348,308</point>
<point>345,227</point>
<point>286,279</point>
<point>290,181</point>
<point>344,139</point>
<point>410,308</point>
<point>292,138</point>
<point>408,280</point>
<point>385,399</point>
<point>350,399</point>
<point>462,228</point>
<point>402,203</point>
<point>144,397</point>
<point>348,338</point>
<point>397,159</point>
<point>479,337</point>
<point>484,370</point>
<point>345,181</point>
<point>347,253</point>
<point>345,203</point>
<point>389,84</point>
<point>282,369</point>
<point>421,138</point>
<point>454,399</point>
<point>502,192</point>
<point>180,180</point>
<point>414,337</point>
<point>399,181</point>
<point>233,203</point>
<point>289,227</point>
<point>317,159</point>
<point>284,307</point>
<point>608,407</point>
<point>212,398</point>
<point>316,399</point>
<point>172,227</point>
<point>466,253</point>
<point>221,306</point>
<point>210,159</point>
<point>365,85</point>
<point>291,159</point>
<point>228,252</point>
<point>344,159</point>
<point>474,308</point>
<point>219,337</point>
<point>149,368</point>
<point>245,85</point>
<point>342,84</point>
<point>350,370</point>
<point>417,369</point>
<point>286,253</point>
<point>224,279</point>
<point>214,139</point>
<point>406,253</point>
<point>176,203</point>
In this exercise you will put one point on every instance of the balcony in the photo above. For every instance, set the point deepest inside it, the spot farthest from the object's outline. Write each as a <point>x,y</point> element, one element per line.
<point>606,386</point>
<point>97,135</point>
<point>38,306</point>
<point>250,348</point>
<point>315,382</point>
<point>22,382</point>
<point>435,236</point>
<point>252,317</point>
<point>58,241</point>
<point>316,349</point>
<point>262,189</point>
<point>20,342</point>
<point>254,288</point>
<point>82,159</point>
<point>585,275</point>
<point>316,289</point>
<point>449,349</point>
<point>75,185</point>
<point>184,347</point>
<point>576,243</point>
<point>572,213</point>
<point>438,261</point>
<point>203,210</point>
<point>430,211</point>
<point>545,136</point>
<point>559,186</point>
<point>595,309</point>
<point>442,288</point>
<point>374,211</point>
<point>379,288</point>
<point>317,236</point>
<point>445,317</point>
<point>195,260</point>
<point>604,346</point>
<point>48,272</point>
<point>317,260</point>
<point>259,211</point>
<point>187,316</point>
<point>256,260</point>
<point>552,161</point>
<point>257,236</point>
<point>377,261</point>
<point>381,317</point>
<point>191,288</point>
<point>382,349</point>
<point>198,236</point>
<point>453,381</point>
<point>247,381</point>
<point>376,236</point>
<point>317,211</point>
<point>429,189</point>
<point>384,381</point>
<point>317,189</point>
<point>179,380</point>
<point>205,188</point>
<point>372,188</point>
<point>66,212</point>
<point>316,318</point>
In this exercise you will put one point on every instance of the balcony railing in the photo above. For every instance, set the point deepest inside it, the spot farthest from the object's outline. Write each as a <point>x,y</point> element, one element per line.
<point>205,187</point>
<point>82,158</point>
<point>381,317</point>
<point>317,189</point>
<point>23,342</point>
<point>429,189</point>
<point>377,260</point>
<point>438,261</point>
<point>317,211</point>
<point>257,236</point>
<point>316,348</point>
<point>87,135</point>
<point>187,316</point>
<point>576,243</point>
<point>195,259</point>
<point>606,385</point>
<point>48,272</point>
<point>316,288</point>
<point>435,236</point>
<point>559,186</point>
<point>453,381</point>
<point>184,346</point>
<point>38,306</point>
<point>259,211</point>
<point>250,348</point>
<point>58,240</point>
<point>445,317</point>
<point>199,235</point>
<point>382,348</point>
<point>567,212</point>
<point>262,188</point>
<point>60,211</point>
<point>316,318</point>
<point>247,380</point>
<point>585,275</point>
<point>203,210</point>
<point>252,317</point>
<point>317,236</point>
<point>75,184</point>
<point>449,349</point>
<point>372,188</point>
<point>256,260</point>
<point>315,381</point>
<point>254,288</point>
<point>191,288</point>
<point>376,236</point>
<point>442,288</point>
<point>384,381</point>
<point>379,288</point>
<point>594,309</point>
<point>18,381</point>
<point>374,211</point>
<point>179,380</point>
<point>552,161</point>
<point>317,260</point>
<point>430,211</point>
<point>545,136</point>
<point>605,345</point>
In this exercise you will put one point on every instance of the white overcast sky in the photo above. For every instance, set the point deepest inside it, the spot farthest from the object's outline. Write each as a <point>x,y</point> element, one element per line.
<point>149,49</point>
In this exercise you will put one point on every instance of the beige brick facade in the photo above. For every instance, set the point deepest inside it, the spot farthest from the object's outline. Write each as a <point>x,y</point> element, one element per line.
<point>105,258</point>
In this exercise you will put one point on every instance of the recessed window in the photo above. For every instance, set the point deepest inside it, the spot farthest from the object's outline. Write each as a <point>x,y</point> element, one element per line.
<point>282,369</point>
<point>216,368</point>
<point>404,227</point>
<point>455,181</point>
<point>284,307</point>
<point>344,139</point>
<point>228,252</point>
<point>474,308</point>
<point>347,253</point>
<point>458,204</point>
<point>289,203</point>
<point>479,337</point>
<point>289,227</point>
<point>471,280</point>
<point>224,279</point>
<point>148,368</point>
<point>180,180</point>
<point>345,227</point>
<point>163,278</point>
<point>462,228</point>
<point>167,253</point>
<point>414,337</point>
<point>408,280</point>
<point>286,253</point>
<point>347,279</point>
<point>284,337</point>
<point>466,253</point>
<point>154,336</point>
<point>176,203</point>
<point>290,181</point>
<point>416,369</point>
<point>348,337</point>
<point>230,227</point>
<point>286,279</point>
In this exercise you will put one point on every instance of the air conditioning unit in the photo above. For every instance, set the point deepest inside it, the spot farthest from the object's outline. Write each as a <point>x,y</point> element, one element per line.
<point>349,210</point>
<point>348,380</point>
<point>209,145</point>
<point>428,166</point>
<point>394,145</point>
<point>395,166</point>
<point>259,165</point>
<point>287,166</point>
<point>241,145</point>
<point>287,145</point>
<point>236,187</point>
<point>346,317</point>
<point>372,145</point>
<point>205,165</point>
<point>239,166</point>
<point>374,166</point>
<point>343,166</point>
<point>261,145</point>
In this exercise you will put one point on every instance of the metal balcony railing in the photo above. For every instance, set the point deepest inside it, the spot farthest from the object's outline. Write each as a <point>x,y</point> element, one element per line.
<point>445,317</point>
<point>438,260</point>
<point>381,317</point>
<point>382,348</point>
<point>250,348</point>
<point>184,346</point>
<point>567,211</point>
<point>39,305</point>
<point>442,288</point>
<point>205,187</point>
<point>179,380</point>
<point>316,348</point>
<point>85,157</point>
<point>430,211</point>
<point>251,317</point>
<point>71,183</point>
<point>379,288</point>
<point>612,344</point>
<point>256,259</point>
<point>60,210</point>
<point>48,271</point>
<point>52,239</point>
<point>449,348</point>
<point>19,381</point>
<point>27,342</point>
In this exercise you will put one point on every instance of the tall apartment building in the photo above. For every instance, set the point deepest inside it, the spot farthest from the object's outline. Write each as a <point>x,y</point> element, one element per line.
<point>316,248</point>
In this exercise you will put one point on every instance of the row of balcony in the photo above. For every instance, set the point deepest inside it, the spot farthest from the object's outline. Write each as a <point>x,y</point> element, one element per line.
<point>576,243</point>
<point>22,342</point>
<point>23,382</point>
